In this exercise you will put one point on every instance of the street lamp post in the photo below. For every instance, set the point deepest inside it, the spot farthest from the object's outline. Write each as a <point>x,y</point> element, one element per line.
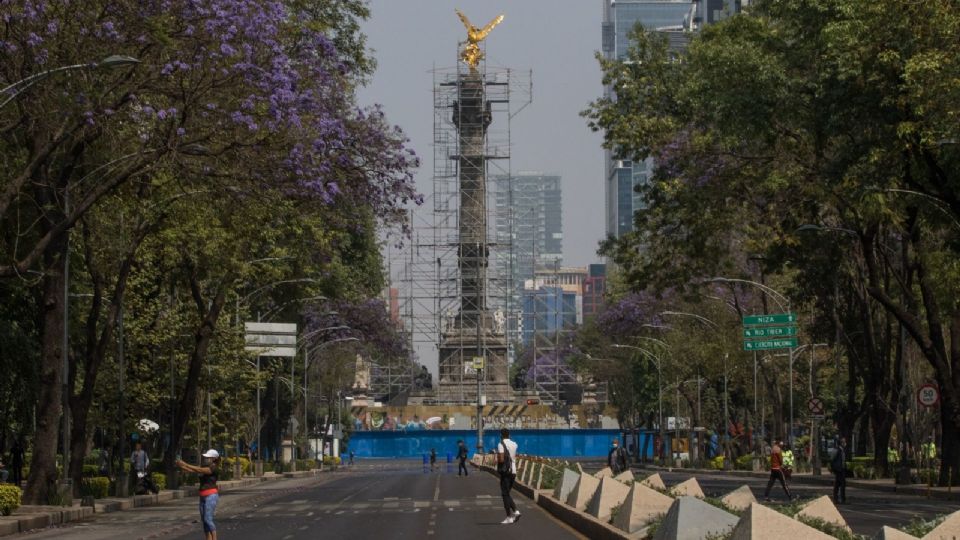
<point>17,88</point>
<point>656,359</point>
<point>777,297</point>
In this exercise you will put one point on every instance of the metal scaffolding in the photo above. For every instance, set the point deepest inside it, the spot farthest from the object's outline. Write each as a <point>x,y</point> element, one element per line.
<point>453,284</point>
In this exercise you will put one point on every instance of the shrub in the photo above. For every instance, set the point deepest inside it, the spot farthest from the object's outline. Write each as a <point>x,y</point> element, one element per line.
<point>827,527</point>
<point>614,511</point>
<point>330,461</point>
<point>10,497</point>
<point>919,527</point>
<point>159,479</point>
<point>91,470</point>
<point>97,487</point>
<point>744,463</point>
<point>551,476</point>
<point>717,463</point>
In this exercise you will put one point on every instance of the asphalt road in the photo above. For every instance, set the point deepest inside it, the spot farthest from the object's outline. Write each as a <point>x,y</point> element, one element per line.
<point>382,500</point>
<point>866,511</point>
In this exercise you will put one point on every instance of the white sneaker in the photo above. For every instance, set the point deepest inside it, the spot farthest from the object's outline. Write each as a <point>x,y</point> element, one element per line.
<point>508,521</point>
<point>516,516</point>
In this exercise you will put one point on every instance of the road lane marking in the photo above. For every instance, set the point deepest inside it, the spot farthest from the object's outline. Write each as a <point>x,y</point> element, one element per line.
<point>436,490</point>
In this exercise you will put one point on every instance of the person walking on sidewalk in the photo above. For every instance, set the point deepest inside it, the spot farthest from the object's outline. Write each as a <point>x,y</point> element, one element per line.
<point>209,494</point>
<point>507,467</point>
<point>617,458</point>
<point>838,466</point>
<point>462,458</point>
<point>776,471</point>
<point>17,457</point>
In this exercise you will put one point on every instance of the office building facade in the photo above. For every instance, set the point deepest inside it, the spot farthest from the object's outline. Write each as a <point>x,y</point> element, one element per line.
<point>676,19</point>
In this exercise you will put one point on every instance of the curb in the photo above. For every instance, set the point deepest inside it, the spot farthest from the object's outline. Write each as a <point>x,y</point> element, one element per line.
<point>39,517</point>
<point>824,480</point>
<point>582,522</point>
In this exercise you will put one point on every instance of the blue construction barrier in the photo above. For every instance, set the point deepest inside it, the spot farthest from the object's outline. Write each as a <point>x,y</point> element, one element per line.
<point>565,443</point>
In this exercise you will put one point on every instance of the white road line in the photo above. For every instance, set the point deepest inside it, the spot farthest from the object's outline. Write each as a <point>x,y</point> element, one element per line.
<point>436,490</point>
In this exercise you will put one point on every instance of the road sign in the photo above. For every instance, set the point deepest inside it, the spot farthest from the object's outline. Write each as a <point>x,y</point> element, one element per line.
<point>769,331</point>
<point>477,362</point>
<point>767,344</point>
<point>271,339</point>
<point>815,406</point>
<point>928,395</point>
<point>776,318</point>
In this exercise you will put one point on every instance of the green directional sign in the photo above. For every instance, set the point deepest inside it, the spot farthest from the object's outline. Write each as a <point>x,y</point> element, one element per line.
<point>769,331</point>
<point>776,318</point>
<point>767,344</point>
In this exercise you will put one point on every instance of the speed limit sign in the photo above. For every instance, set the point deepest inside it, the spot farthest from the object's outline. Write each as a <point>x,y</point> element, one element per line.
<point>928,395</point>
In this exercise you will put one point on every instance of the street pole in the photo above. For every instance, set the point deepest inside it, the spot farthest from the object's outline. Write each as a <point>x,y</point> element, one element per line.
<point>306,427</point>
<point>790,426</point>
<point>209,433</point>
<point>65,368</point>
<point>122,476</point>
<point>259,428</point>
<point>293,402</point>
<point>479,323</point>
<point>660,410</point>
<point>479,415</point>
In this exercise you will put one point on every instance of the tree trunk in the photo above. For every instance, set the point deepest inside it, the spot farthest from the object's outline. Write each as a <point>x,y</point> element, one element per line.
<point>950,438</point>
<point>42,482</point>
<point>96,349</point>
<point>202,339</point>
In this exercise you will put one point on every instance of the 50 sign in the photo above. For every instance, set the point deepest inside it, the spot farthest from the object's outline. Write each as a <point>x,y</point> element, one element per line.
<point>928,395</point>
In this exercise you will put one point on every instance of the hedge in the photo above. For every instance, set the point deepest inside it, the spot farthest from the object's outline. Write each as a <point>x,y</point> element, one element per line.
<point>10,497</point>
<point>159,479</point>
<point>97,486</point>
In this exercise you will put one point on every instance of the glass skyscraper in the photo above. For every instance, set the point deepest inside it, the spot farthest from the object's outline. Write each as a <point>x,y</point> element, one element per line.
<point>676,18</point>
<point>529,213</point>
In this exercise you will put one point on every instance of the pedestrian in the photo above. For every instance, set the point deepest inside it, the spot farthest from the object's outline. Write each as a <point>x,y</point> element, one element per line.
<point>838,466</point>
<point>462,458</point>
<point>507,467</point>
<point>929,452</point>
<point>209,494</point>
<point>776,471</point>
<point>617,458</point>
<point>433,458</point>
<point>103,462</point>
<point>351,457</point>
<point>788,461</point>
<point>139,462</point>
<point>17,456</point>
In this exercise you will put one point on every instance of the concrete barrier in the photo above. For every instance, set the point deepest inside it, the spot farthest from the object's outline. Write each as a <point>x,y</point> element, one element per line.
<point>585,524</point>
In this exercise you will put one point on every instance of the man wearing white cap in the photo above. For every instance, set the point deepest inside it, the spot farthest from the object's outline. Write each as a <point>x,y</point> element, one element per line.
<point>209,494</point>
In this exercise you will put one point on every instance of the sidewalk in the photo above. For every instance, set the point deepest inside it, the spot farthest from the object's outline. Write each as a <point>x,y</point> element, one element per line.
<point>29,517</point>
<point>884,484</point>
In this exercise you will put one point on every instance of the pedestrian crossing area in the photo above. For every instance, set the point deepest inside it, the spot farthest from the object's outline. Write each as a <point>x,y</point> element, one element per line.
<point>380,506</point>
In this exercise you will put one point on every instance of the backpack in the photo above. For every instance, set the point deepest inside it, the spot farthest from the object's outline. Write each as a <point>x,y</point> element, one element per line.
<point>505,466</point>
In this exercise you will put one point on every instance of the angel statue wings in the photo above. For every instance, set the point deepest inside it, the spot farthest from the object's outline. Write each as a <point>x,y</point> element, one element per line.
<point>471,54</point>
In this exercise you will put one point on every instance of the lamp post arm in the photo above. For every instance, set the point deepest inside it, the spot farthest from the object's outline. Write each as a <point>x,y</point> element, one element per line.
<point>776,295</point>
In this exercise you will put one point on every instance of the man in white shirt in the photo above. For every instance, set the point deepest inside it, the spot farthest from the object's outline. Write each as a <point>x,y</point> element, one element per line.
<point>507,467</point>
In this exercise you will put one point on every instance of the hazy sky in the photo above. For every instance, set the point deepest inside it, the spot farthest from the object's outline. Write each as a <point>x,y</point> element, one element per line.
<point>557,39</point>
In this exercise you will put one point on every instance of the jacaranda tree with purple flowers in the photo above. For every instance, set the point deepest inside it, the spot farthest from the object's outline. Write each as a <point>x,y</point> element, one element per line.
<point>239,96</point>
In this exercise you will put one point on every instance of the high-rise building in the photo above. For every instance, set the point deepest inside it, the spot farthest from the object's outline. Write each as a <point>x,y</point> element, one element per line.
<point>529,210</point>
<point>676,19</point>
<point>594,289</point>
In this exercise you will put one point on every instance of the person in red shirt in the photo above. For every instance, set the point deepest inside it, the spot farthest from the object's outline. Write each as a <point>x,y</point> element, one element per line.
<point>776,471</point>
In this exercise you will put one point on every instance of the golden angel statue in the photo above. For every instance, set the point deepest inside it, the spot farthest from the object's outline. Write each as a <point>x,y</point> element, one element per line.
<point>471,54</point>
